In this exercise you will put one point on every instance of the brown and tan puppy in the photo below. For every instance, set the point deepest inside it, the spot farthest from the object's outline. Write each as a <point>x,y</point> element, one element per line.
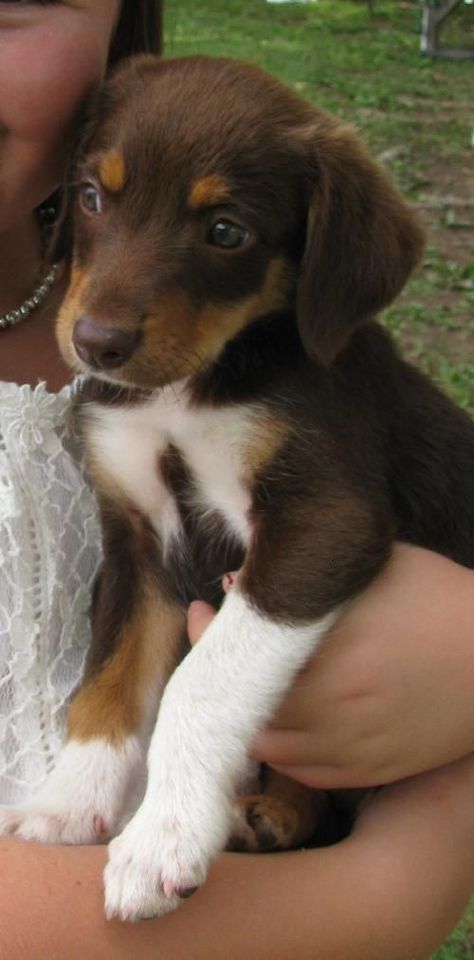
<point>232,245</point>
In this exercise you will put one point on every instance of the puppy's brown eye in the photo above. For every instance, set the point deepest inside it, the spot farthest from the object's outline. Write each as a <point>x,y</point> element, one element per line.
<point>227,234</point>
<point>90,199</point>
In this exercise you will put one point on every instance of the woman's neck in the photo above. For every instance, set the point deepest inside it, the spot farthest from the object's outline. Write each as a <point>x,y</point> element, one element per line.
<point>20,262</point>
<point>28,351</point>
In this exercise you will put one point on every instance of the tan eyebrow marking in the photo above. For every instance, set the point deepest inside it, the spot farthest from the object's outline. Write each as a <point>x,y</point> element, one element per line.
<point>112,171</point>
<point>207,191</point>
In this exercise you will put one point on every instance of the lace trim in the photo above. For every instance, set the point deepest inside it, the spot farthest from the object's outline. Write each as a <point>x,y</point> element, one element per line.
<point>49,555</point>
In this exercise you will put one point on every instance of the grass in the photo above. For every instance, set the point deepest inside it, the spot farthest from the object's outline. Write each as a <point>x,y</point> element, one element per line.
<point>416,115</point>
<point>460,945</point>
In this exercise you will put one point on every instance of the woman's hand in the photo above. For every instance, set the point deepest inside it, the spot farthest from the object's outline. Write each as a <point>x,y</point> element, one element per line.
<point>390,692</point>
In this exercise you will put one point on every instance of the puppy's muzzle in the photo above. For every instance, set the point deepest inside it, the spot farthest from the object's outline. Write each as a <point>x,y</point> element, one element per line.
<point>101,347</point>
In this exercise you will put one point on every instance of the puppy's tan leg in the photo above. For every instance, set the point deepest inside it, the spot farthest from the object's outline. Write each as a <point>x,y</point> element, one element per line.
<point>137,641</point>
<point>121,689</point>
<point>285,815</point>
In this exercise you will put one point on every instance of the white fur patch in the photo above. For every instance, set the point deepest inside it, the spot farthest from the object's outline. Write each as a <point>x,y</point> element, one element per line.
<point>85,797</point>
<point>128,443</point>
<point>219,697</point>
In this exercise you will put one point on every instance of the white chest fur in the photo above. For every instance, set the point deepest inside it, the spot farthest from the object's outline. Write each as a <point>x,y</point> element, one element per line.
<point>127,442</point>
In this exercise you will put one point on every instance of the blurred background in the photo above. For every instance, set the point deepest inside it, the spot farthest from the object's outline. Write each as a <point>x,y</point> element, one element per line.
<point>361,60</point>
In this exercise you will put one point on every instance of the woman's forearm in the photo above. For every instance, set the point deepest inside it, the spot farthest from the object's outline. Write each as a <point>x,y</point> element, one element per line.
<point>394,889</point>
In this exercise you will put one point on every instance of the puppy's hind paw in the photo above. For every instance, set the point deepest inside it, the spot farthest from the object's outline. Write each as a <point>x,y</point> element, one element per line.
<point>52,826</point>
<point>10,819</point>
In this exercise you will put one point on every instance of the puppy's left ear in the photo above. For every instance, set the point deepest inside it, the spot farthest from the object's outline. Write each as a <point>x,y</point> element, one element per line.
<point>362,242</point>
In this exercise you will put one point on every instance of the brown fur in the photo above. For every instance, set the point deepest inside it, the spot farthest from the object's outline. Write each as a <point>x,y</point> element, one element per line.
<point>353,447</point>
<point>362,241</point>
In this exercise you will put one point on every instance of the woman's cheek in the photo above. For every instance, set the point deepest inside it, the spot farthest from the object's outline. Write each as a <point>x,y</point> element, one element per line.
<point>59,77</point>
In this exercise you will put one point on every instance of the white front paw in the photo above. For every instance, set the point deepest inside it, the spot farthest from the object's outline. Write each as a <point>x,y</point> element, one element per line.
<point>83,798</point>
<point>155,863</point>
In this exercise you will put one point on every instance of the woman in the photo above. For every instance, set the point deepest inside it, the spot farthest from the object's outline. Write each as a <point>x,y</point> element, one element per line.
<point>371,895</point>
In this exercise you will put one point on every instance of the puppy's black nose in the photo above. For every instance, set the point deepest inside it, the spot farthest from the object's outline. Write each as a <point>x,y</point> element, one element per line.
<point>101,347</point>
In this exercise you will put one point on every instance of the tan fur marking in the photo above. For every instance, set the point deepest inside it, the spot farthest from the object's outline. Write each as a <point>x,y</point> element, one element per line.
<point>263,443</point>
<point>208,191</point>
<point>112,171</point>
<point>178,341</point>
<point>111,704</point>
<point>216,325</point>
<point>69,312</point>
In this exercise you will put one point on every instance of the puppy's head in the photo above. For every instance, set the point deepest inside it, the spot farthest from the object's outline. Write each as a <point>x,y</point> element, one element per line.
<point>208,196</point>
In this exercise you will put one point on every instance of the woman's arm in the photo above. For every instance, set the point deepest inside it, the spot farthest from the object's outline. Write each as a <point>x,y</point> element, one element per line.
<point>394,888</point>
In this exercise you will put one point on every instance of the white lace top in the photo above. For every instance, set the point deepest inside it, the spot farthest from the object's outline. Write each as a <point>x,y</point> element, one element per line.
<point>49,553</point>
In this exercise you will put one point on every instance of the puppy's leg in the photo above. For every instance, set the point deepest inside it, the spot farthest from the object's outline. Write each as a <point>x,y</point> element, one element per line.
<point>287,597</point>
<point>278,813</point>
<point>101,771</point>
<point>225,689</point>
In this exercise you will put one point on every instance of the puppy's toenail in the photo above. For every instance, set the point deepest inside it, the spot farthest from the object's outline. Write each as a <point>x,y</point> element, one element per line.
<point>185,892</point>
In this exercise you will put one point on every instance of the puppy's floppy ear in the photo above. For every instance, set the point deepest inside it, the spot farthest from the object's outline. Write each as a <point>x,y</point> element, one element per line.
<point>362,241</point>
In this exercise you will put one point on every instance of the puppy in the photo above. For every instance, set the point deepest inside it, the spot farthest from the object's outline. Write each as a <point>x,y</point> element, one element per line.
<point>232,246</point>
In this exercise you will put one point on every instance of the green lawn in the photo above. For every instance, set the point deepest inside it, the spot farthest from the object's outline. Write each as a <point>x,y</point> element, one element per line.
<point>460,945</point>
<point>417,115</point>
